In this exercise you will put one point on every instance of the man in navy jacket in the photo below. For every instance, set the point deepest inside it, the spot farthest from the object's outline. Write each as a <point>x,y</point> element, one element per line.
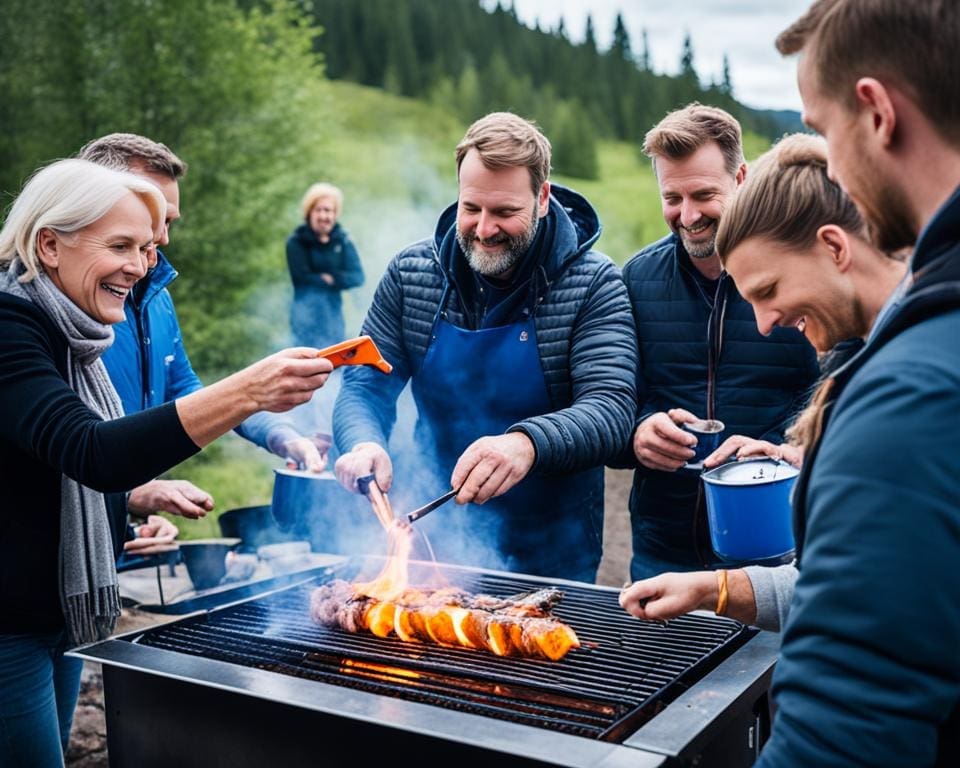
<point>701,355</point>
<point>870,669</point>
<point>147,362</point>
<point>518,342</point>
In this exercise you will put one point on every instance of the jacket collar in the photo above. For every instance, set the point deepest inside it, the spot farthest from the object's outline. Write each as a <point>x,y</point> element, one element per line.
<point>936,258</point>
<point>157,278</point>
<point>308,236</point>
<point>568,229</point>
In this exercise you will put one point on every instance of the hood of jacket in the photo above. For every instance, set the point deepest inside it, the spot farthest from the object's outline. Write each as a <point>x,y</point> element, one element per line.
<point>567,231</point>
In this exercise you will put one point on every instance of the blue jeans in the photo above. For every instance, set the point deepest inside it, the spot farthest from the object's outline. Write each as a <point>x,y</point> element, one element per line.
<point>39,688</point>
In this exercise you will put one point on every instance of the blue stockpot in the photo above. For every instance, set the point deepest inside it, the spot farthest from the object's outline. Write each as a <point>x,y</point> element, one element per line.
<point>748,506</point>
<point>314,506</point>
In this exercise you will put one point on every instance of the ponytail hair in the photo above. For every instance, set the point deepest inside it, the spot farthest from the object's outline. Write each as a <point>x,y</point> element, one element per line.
<point>786,197</point>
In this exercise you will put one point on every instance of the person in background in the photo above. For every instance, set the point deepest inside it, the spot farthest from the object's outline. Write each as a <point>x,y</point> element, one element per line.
<point>518,342</point>
<point>75,241</point>
<point>869,672</point>
<point>148,363</point>
<point>803,258</point>
<point>701,355</point>
<point>323,263</point>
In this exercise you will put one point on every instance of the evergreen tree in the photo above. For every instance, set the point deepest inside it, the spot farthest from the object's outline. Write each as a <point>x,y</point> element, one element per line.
<point>687,69</point>
<point>469,101</point>
<point>726,85</point>
<point>574,142</point>
<point>590,37</point>
<point>621,40</point>
<point>503,88</point>
<point>645,63</point>
<point>365,42</point>
<point>402,66</point>
<point>223,87</point>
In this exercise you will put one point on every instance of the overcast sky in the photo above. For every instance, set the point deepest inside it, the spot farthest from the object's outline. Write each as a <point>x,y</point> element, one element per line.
<point>743,29</point>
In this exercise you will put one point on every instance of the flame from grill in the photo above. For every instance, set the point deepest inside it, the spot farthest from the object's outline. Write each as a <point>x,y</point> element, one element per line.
<point>392,581</point>
<point>388,605</point>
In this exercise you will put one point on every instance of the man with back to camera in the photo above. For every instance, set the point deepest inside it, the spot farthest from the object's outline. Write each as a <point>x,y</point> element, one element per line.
<point>869,672</point>
<point>701,355</point>
<point>147,362</point>
<point>520,348</point>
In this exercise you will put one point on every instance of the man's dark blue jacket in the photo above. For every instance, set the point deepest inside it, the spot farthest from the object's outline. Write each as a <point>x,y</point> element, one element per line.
<point>869,671</point>
<point>704,354</point>
<point>585,340</point>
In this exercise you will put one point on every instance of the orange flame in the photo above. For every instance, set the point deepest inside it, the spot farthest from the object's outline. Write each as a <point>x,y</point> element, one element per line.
<point>435,616</point>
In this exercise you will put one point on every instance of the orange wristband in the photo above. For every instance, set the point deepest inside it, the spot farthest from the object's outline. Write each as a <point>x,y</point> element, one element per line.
<point>722,594</point>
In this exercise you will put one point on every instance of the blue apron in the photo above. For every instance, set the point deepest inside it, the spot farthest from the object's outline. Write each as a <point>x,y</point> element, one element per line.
<point>477,383</point>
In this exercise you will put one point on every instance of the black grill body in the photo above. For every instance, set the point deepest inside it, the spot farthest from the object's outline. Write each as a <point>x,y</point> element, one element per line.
<point>257,682</point>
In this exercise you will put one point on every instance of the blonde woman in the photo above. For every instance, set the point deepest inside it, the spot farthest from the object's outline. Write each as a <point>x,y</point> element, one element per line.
<point>76,240</point>
<point>323,263</point>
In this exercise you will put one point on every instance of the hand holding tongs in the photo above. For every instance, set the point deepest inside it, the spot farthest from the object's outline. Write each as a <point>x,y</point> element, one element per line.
<point>367,485</point>
<point>419,512</point>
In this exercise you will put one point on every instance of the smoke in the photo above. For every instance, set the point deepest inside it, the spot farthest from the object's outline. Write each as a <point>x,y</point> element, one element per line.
<point>381,220</point>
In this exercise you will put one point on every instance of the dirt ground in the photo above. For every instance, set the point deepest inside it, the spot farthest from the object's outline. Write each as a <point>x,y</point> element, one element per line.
<point>88,742</point>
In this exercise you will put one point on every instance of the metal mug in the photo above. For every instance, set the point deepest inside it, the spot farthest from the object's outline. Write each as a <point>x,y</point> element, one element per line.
<point>707,432</point>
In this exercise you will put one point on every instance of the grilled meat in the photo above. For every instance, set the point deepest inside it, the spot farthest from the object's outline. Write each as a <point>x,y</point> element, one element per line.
<point>520,625</point>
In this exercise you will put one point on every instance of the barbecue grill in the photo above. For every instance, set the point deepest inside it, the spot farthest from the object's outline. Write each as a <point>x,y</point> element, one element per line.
<point>256,683</point>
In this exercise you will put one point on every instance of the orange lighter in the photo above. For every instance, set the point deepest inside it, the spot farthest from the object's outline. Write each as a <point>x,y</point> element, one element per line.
<point>359,351</point>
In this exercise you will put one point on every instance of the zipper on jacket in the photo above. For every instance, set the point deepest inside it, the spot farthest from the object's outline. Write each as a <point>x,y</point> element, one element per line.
<point>143,342</point>
<point>715,325</point>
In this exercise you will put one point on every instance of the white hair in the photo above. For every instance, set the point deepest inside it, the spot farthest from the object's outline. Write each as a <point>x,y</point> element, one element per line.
<point>67,196</point>
<point>318,192</point>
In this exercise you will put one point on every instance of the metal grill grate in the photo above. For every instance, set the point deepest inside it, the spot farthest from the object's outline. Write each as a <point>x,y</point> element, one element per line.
<point>626,671</point>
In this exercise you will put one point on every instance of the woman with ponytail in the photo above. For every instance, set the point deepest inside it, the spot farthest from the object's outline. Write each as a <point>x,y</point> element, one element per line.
<point>799,252</point>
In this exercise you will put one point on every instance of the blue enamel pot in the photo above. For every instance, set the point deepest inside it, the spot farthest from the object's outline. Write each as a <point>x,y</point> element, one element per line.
<point>748,506</point>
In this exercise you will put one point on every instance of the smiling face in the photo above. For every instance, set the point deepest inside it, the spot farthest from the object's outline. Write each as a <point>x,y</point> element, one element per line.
<point>856,163</point>
<point>694,191</point>
<point>497,215</point>
<point>97,266</point>
<point>797,288</point>
<point>323,217</point>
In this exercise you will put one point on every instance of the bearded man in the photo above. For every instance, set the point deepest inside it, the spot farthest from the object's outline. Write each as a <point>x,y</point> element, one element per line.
<point>701,355</point>
<point>519,345</point>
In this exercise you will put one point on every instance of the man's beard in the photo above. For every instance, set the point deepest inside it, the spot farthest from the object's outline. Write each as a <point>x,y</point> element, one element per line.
<point>889,225</point>
<point>700,249</point>
<point>494,264</point>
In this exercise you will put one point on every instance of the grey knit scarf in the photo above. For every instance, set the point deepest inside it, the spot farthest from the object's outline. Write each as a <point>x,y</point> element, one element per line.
<point>89,592</point>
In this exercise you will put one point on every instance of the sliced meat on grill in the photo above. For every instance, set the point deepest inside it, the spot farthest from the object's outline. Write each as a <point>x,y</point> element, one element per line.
<point>520,625</point>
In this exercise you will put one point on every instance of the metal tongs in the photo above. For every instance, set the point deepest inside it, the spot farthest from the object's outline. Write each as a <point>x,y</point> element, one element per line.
<point>367,485</point>
<point>426,509</point>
